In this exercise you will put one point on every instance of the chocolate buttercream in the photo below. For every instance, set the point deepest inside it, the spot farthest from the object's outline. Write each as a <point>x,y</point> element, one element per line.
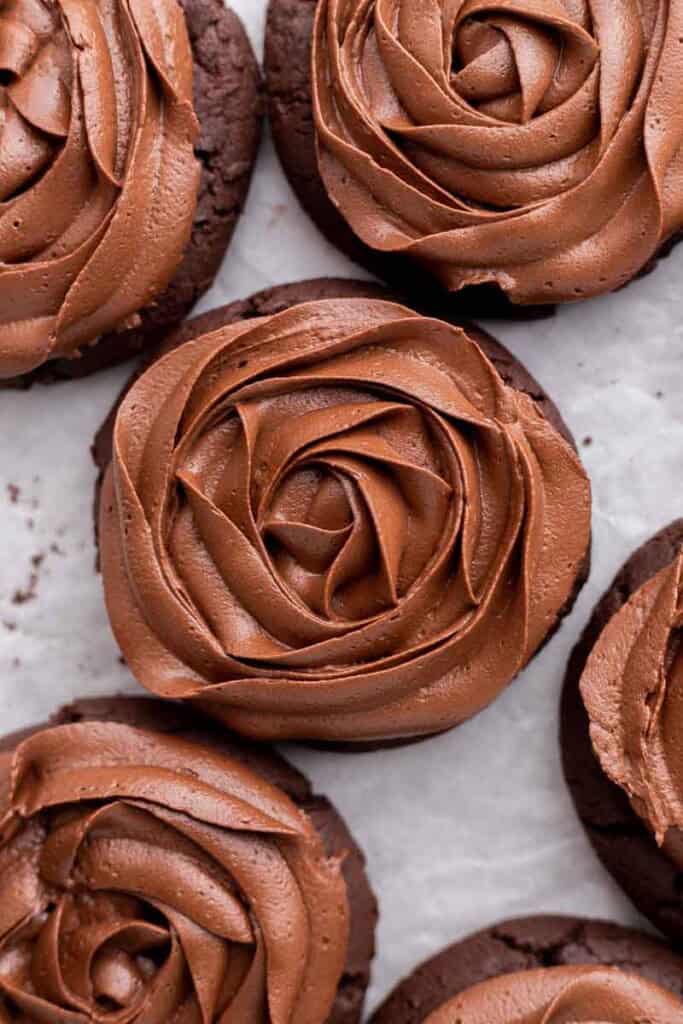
<point>559,995</point>
<point>148,879</point>
<point>98,178</point>
<point>536,144</point>
<point>632,687</point>
<point>336,523</point>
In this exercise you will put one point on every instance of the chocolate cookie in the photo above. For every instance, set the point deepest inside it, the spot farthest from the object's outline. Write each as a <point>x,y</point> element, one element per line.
<point>170,720</point>
<point>622,841</point>
<point>523,945</point>
<point>269,306</point>
<point>289,30</point>
<point>228,105</point>
<point>423,152</point>
<point>281,297</point>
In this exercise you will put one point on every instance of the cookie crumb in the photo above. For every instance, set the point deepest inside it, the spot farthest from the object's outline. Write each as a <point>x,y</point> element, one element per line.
<point>9,626</point>
<point>587,441</point>
<point>25,594</point>
<point>14,493</point>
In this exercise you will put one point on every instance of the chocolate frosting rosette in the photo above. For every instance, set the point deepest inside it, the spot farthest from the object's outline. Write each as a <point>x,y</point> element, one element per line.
<point>337,523</point>
<point>147,878</point>
<point>98,178</point>
<point>535,144</point>
<point>631,687</point>
<point>555,995</point>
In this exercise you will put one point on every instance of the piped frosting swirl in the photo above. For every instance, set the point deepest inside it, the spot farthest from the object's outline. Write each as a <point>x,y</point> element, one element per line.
<point>531,143</point>
<point>337,523</point>
<point>559,995</point>
<point>147,879</point>
<point>632,687</point>
<point>98,178</point>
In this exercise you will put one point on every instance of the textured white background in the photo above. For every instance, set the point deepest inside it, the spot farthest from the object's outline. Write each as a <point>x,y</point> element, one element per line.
<point>461,830</point>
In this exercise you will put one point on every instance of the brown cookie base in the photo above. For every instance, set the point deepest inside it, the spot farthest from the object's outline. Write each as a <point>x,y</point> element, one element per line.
<point>289,30</point>
<point>167,717</point>
<point>228,104</point>
<point>275,300</point>
<point>525,944</point>
<point>621,840</point>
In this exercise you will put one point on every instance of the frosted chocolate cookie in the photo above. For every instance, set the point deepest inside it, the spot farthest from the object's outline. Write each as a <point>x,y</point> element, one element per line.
<point>543,970</point>
<point>622,725</point>
<point>155,867</point>
<point>340,522</point>
<point>531,153</point>
<point>145,118</point>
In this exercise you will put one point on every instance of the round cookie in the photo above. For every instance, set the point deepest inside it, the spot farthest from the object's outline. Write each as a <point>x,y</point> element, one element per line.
<point>288,44</point>
<point>282,297</point>
<point>525,944</point>
<point>172,720</point>
<point>289,29</point>
<point>621,840</point>
<point>228,104</point>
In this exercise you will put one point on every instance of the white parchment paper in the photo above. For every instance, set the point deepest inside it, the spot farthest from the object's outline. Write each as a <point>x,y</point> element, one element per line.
<point>459,831</point>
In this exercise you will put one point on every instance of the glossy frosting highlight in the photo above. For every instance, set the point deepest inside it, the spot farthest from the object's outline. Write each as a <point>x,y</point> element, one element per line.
<point>336,523</point>
<point>147,879</point>
<point>98,178</point>
<point>632,687</point>
<point>531,143</point>
<point>560,995</point>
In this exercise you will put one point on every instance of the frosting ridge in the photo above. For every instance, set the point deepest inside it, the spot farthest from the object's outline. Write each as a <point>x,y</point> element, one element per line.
<point>97,111</point>
<point>530,143</point>
<point>336,523</point>
<point>148,879</point>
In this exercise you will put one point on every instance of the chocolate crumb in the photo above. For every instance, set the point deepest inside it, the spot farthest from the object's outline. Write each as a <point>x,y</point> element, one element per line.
<point>587,441</point>
<point>9,626</point>
<point>14,493</point>
<point>28,593</point>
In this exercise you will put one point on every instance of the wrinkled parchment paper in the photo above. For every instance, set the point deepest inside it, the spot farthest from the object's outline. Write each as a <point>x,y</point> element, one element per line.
<point>459,831</point>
